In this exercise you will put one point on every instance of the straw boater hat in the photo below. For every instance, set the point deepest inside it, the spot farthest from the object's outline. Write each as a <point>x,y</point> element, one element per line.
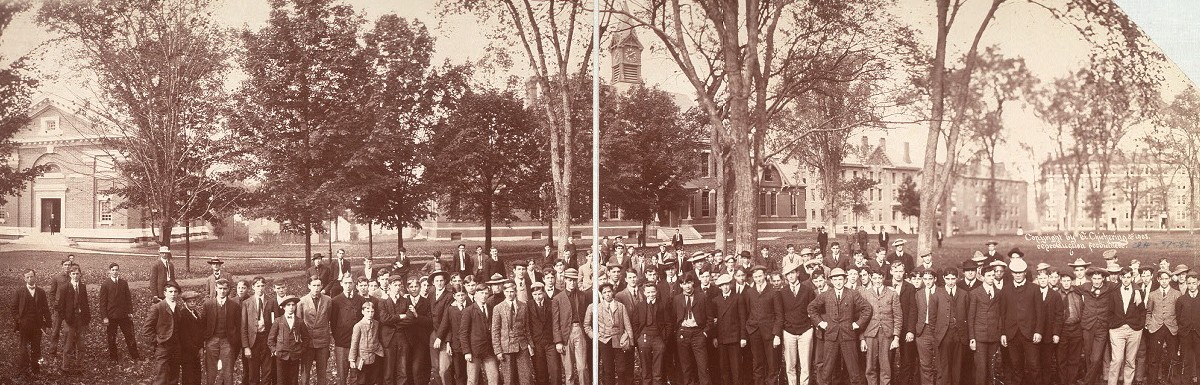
<point>837,271</point>
<point>998,263</point>
<point>215,261</point>
<point>164,250</point>
<point>1110,254</point>
<point>698,256</point>
<point>1017,266</point>
<point>788,267</point>
<point>1079,262</point>
<point>1180,269</point>
<point>1042,266</point>
<point>1114,269</point>
<point>724,279</point>
<point>571,274</point>
<point>899,242</point>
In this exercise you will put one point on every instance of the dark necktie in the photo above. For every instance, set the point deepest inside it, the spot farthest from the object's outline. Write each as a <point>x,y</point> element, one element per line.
<point>260,308</point>
<point>317,303</point>
<point>689,307</point>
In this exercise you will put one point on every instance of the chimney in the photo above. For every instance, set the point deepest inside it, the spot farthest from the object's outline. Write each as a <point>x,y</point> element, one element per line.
<point>883,145</point>
<point>907,156</point>
<point>864,143</point>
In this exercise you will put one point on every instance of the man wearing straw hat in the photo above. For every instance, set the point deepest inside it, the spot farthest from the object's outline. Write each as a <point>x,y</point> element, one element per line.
<point>162,272</point>
<point>841,314</point>
<point>569,308</point>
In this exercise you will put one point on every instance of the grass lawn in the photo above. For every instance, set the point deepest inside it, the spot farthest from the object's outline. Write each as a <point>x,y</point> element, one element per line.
<point>382,248</point>
<point>133,268</point>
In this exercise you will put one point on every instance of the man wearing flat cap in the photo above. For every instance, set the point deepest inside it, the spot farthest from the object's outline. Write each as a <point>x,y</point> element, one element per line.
<point>841,314</point>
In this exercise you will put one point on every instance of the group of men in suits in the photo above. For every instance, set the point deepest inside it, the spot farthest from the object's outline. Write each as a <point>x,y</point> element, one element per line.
<point>894,318</point>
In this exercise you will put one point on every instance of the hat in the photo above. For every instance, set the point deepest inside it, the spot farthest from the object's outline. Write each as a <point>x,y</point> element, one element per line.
<point>724,279</point>
<point>730,258</point>
<point>1180,269</point>
<point>992,242</point>
<point>745,254</point>
<point>978,258</point>
<point>1079,262</point>
<point>997,263</point>
<point>1114,269</point>
<point>667,262</point>
<point>811,262</point>
<point>971,264</point>
<point>496,279</point>
<point>289,299</point>
<point>757,268</point>
<point>899,242</point>
<point>164,249</point>
<point>698,256</point>
<point>1095,270</point>
<point>520,263</point>
<point>571,274</point>
<point>190,294</point>
<point>537,285</point>
<point>1110,254</point>
<point>317,256</point>
<point>215,261</point>
<point>1043,266</point>
<point>806,251</point>
<point>788,267</point>
<point>837,271</point>
<point>1017,251</point>
<point>445,275</point>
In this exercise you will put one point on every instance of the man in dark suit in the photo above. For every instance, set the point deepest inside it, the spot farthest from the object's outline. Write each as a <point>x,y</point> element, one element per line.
<point>899,256</point>
<point>321,271</point>
<point>116,303</point>
<point>692,316</point>
<point>210,283</point>
<point>347,310</point>
<point>841,313</point>
<point>541,322</point>
<point>316,311</point>
<point>677,240</point>
<point>651,328</point>
<point>1052,306</point>
<point>222,337</point>
<point>884,237</point>
<point>835,259</point>
<point>764,325</point>
<point>729,334</point>
<point>461,262</point>
<point>492,264</point>
<point>73,307</point>
<point>163,327</point>
<point>162,272</point>
<point>287,341</point>
<point>255,327</point>
<point>950,350</point>
<point>475,332</point>
<point>1023,324</point>
<point>1187,310</point>
<point>983,329</point>
<point>931,324</point>
<point>55,282</point>
<point>31,314</point>
<point>548,254</point>
<point>395,317</point>
<point>822,240</point>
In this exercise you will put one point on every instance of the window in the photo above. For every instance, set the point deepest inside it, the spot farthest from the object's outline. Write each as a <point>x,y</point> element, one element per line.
<point>536,235</point>
<point>456,236</point>
<point>792,198</point>
<point>614,212</point>
<point>3,216</point>
<point>705,164</point>
<point>762,203</point>
<point>774,203</point>
<point>50,126</point>
<point>576,235</point>
<point>105,210</point>
<point>768,176</point>
<point>704,204</point>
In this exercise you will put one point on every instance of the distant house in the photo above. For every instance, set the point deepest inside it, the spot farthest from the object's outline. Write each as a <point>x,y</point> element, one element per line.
<point>68,203</point>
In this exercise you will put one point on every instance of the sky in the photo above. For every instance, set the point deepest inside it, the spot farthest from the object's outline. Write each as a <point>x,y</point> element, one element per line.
<point>1049,48</point>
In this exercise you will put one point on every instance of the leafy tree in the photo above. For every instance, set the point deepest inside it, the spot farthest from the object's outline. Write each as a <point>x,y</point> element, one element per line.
<point>647,153</point>
<point>160,67</point>
<point>16,88</point>
<point>387,177</point>
<point>485,168</point>
<point>1176,141</point>
<point>302,110</point>
<point>909,198</point>
<point>851,196</point>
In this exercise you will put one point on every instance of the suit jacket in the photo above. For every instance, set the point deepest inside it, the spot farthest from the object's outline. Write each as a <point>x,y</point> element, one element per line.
<point>1187,310</point>
<point>957,306</point>
<point>938,305</point>
<point>700,311</point>
<point>55,282</point>
<point>677,240</point>
<point>764,310</point>
<point>1021,311</point>
<point>233,313</point>
<point>541,323</point>
<point>1133,315</point>
<point>842,262</point>
<point>629,296</point>
<point>437,306</point>
<point>394,320</point>
<point>1052,309</point>
<point>510,328</point>
<point>475,332</point>
<point>422,322</point>
<point>983,318</point>
<point>447,329</point>
<point>729,318</point>
<point>1160,310</point>
<point>968,287</point>
<point>317,317</point>
<point>116,302</point>
<point>158,277</point>
<point>461,263</point>
<point>840,314</point>
<point>565,313</point>
<point>884,238</point>
<point>662,320</point>
<point>364,343</point>
<point>345,313</point>
<point>30,312</point>
<point>906,259</point>
<point>886,316</point>
<point>615,328</point>
<point>288,343</point>
<point>250,314</point>
<point>340,267</point>
<point>795,308</point>
<point>161,324</point>
<point>1097,306</point>
<point>908,307</point>
<point>72,305</point>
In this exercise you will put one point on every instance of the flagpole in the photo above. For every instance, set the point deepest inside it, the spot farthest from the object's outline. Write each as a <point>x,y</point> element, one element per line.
<point>595,182</point>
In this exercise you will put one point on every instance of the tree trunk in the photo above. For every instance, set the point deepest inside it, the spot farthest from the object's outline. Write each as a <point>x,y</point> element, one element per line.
<point>370,240</point>
<point>829,183</point>
<point>332,231</point>
<point>307,245</point>
<point>947,215</point>
<point>929,177</point>
<point>487,225</point>
<point>400,236</point>
<point>642,236</point>
<point>187,245</point>
<point>165,227</point>
<point>721,217</point>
